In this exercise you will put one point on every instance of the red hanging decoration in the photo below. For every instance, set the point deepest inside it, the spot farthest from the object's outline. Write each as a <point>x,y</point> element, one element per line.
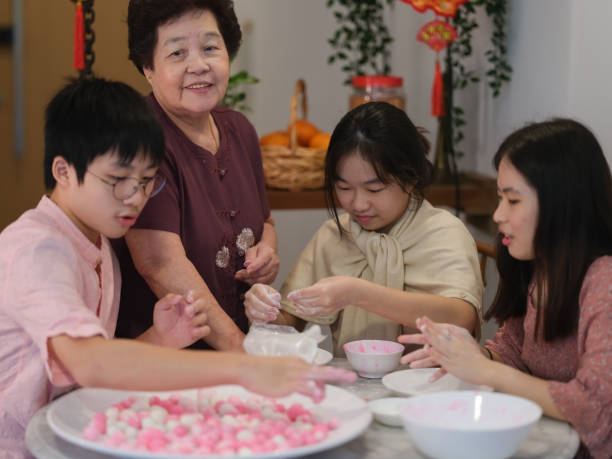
<point>446,8</point>
<point>437,34</point>
<point>437,93</point>
<point>79,37</point>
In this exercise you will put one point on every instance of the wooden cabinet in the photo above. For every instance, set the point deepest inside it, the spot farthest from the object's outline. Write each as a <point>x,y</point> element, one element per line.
<point>477,196</point>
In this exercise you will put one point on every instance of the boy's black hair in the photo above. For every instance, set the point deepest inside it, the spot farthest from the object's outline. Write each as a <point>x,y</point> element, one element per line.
<point>384,136</point>
<point>89,117</point>
<point>145,17</point>
<point>562,160</point>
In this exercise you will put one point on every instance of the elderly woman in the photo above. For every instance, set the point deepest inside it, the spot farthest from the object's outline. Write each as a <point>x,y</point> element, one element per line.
<point>209,230</point>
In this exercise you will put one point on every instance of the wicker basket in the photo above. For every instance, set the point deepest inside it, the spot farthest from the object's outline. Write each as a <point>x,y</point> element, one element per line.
<point>294,168</point>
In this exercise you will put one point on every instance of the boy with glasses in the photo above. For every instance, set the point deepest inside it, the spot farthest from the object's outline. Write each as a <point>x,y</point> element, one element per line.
<point>60,282</point>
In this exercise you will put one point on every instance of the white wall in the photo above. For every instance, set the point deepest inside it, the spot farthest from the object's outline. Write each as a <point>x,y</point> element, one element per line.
<point>286,40</point>
<point>294,229</point>
<point>590,91</point>
<point>538,50</point>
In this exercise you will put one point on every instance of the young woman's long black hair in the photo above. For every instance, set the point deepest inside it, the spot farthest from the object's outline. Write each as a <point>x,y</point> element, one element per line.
<point>384,136</point>
<point>564,163</point>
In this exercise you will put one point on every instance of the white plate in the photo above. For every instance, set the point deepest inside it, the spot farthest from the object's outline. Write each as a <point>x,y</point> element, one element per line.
<point>416,381</point>
<point>387,410</point>
<point>68,416</point>
<point>322,357</point>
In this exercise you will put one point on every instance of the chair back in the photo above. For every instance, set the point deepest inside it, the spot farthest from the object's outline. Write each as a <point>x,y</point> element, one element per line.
<point>485,251</point>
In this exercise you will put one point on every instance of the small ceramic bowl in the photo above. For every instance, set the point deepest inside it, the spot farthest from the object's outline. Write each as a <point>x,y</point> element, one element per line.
<point>373,358</point>
<point>387,410</point>
<point>468,424</point>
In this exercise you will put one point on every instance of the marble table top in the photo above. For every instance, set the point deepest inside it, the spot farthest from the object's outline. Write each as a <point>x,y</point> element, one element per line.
<point>549,439</point>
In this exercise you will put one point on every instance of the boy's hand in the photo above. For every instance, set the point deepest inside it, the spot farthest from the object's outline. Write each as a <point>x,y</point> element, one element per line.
<point>262,303</point>
<point>281,376</point>
<point>261,265</point>
<point>179,321</point>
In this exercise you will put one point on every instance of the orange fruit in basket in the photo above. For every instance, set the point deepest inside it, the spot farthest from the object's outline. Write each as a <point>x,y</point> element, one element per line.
<point>304,130</point>
<point>275,138</point>
<point>320,140</point>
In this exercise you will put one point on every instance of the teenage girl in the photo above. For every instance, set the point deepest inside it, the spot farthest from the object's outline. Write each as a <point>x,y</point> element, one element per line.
<point>392,257</point>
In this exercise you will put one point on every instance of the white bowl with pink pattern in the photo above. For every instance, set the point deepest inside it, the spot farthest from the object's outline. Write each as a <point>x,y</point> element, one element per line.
<point>373,358</point>
<point>468,424</point>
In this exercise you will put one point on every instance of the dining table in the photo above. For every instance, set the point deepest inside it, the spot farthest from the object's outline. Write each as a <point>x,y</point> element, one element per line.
<point>549,439</point>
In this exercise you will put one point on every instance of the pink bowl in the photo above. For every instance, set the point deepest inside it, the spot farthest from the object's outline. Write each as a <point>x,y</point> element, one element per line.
<point>373,358</point>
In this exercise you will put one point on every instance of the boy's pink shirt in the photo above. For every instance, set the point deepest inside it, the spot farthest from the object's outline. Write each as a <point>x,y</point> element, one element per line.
<point>49,286</point>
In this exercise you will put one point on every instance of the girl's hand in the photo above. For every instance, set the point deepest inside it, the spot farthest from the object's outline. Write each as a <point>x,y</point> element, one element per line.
<point>262,303</point>
<point>281,376</point>
<point>261,265</point>
<point>179,321</point>
<point>451,347</point>
<point>326,296</point>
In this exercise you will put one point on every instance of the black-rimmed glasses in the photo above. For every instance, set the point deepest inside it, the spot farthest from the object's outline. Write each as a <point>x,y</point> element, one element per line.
<point>126,187</point>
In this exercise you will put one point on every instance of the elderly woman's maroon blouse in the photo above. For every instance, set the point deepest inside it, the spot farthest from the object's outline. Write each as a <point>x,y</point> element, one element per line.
<point>216,204</point>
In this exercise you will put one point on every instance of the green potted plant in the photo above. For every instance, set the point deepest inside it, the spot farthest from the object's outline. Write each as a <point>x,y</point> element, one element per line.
<point>361,43</point>
<point>362,46</point>
<point>235,94</point>
<point>457,77</point>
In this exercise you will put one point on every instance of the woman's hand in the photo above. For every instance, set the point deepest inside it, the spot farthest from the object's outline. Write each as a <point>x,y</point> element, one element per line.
<point>420,358</point>
<point>326,296</point>
<point>281,376</point>
<point>261,265</point>
<point>178,321</point>
<point>262,303</point>
<point>451,347</point>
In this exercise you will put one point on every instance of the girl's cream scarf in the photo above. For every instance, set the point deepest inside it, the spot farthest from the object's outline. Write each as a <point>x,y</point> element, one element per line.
<point>427,251</point>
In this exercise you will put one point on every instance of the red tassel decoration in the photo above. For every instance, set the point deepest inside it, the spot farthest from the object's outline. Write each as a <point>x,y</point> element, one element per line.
<point>437,93</point>
<point>79,38</point>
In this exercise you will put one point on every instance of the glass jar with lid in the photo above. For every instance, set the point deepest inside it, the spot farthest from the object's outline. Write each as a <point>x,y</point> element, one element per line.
<point>382,88</point>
